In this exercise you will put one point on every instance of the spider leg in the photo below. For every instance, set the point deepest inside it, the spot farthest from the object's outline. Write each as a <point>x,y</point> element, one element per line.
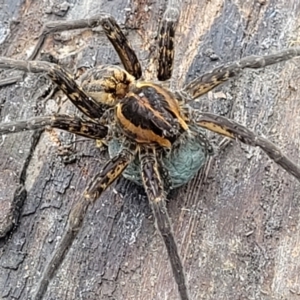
<point>63,79</point>
<point>71,124</point>
<point>235,130</point>
<point>155,191</point>
<point>166,41</point>
<point>208,81</point>
<point>111,29</point>
<point>111,171</point>
<point>10,80</point>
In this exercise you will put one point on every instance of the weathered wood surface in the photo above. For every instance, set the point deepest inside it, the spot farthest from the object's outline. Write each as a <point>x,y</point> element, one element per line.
<point>238,233</point>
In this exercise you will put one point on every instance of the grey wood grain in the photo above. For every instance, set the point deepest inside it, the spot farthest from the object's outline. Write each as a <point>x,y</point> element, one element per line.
<point>238,232</point>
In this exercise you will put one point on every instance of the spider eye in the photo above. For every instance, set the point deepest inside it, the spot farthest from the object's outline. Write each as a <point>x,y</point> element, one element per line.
<point>107,84</point>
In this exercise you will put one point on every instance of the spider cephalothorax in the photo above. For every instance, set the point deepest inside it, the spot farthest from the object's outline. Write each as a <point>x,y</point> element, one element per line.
<point>154,137</point>
<point>145,112</point>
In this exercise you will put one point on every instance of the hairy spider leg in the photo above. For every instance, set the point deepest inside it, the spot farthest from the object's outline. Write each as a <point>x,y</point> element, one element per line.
<point>154,188</point>
<point>110,172</point>
<point>65,82</point>
<point>166,41</point>
<point>111,29</point>
<point>237,131</point>
<point>71,124</point>
<point>206,82</point>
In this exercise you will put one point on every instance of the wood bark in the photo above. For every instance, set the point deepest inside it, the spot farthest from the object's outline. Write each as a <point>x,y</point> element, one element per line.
<point>238,231</point>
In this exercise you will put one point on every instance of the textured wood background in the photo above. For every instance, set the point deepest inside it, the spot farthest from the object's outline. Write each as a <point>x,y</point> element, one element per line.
<point>238,232</point>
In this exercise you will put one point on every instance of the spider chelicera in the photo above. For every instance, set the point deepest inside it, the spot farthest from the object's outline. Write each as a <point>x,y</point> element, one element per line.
<point>151,132</point>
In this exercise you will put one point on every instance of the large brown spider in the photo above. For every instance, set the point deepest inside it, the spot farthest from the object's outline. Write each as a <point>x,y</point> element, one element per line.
<point>148,128</point>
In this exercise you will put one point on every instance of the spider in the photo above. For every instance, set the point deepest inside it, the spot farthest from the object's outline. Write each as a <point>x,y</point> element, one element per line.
<point>149,129</point>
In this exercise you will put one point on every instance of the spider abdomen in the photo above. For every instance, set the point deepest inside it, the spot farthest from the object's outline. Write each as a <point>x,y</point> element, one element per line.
<point>150,114</point>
